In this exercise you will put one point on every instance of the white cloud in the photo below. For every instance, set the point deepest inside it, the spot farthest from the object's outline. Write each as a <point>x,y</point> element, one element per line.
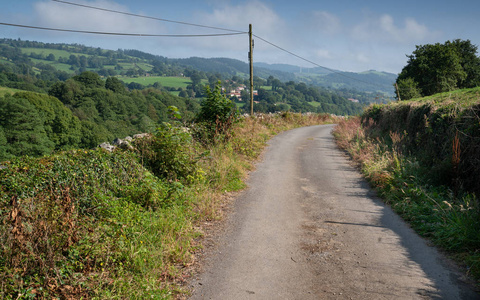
<point>383,29</point>
<point>361,58</point>
<point>323,53</point>
<point>325,22</point>
<point>60,15</point>
<point>265,21</point>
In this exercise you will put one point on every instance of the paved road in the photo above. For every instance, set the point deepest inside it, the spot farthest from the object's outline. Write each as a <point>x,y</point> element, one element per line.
<point>308,227</point>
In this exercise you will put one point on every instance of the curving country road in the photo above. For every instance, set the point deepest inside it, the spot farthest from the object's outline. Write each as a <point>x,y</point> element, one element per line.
<point>308,227</point>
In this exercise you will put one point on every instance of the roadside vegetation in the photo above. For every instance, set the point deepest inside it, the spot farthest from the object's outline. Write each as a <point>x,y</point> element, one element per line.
<point>422,156</point>
<point>93,224</point>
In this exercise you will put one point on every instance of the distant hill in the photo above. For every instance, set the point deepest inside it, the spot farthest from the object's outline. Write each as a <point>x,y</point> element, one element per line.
<point>41,67</point>
<point>228,66</point>
<point>372,82</point>
<point>291,68</point>
<point>71,59</point>
<point>369,81</point>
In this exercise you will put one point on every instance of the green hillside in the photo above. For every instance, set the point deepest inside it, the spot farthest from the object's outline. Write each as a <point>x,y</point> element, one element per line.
<point>36,67</point>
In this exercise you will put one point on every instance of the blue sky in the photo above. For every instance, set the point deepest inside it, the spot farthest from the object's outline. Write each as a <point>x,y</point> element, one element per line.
<point>344,35</point>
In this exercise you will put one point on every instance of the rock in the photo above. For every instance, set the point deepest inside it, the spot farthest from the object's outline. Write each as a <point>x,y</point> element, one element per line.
<point>123,144</point>
<point>107,147</point>
<point>141,135</point>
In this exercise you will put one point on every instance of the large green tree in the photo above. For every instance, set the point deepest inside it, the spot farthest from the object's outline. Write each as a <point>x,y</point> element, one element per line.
<point>439,68</point>
<point>59,123</point>
<point>22,128</point>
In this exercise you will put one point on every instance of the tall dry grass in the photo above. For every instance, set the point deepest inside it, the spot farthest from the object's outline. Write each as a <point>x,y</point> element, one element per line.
<point>450,219</point>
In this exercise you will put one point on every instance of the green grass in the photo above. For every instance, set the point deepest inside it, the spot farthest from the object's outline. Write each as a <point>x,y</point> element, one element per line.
<point>421,156</point>
<point>7,90</point>
<point>176,82</point>
<point>461,98</point>
<point>314,103</point>
<point>56,65</point>
<point>126,232</point>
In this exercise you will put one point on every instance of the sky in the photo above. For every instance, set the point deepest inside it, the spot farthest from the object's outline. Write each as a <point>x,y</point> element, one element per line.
<point>350,35</point>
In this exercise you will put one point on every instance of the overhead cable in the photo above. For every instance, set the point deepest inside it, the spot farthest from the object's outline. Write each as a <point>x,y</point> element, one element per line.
<point>313,63</point>
<point>120,33</point>
<point>148,17</point>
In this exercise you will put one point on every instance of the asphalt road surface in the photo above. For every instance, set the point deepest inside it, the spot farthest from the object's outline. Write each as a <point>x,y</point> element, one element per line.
<point>309,227</point>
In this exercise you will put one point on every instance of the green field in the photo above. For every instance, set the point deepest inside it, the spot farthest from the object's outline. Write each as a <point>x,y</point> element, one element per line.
<point>57,53</point>
<point>56,65</point>
<point>128,65</point>
<point>176,82</point>
<point>65,54</point>
<point>314,103</point>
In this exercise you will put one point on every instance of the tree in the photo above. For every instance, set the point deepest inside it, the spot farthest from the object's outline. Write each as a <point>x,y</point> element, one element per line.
<point>408,89</point>
<point>23,128</point>
<point>196,79</point>
<point>470,62</point>
<point>217,112</point>
<point>440,68</point>
<point>58,122</point>
<point>114,84</point>
<point>90,79</point>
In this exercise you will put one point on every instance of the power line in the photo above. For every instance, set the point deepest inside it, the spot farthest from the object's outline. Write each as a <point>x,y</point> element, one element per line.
<point>314,63</point>
<point>148,17</point>
<point>121,34</point>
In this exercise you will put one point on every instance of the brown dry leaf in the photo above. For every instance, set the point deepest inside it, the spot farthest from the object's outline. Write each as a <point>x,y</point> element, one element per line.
<point>14,214</point>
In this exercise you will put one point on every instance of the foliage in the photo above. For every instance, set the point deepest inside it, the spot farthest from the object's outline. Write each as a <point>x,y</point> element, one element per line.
<point>140,70</point>
<point>22,129</point>
<point>430,127</point>
<point>96,106</point>
<point>440,68</point>
<point>217,114</point>
<point>409,89</point>
<point>422,157</point>
<point>115,85</point>
<point>70,222</point>
<point>299,97</point>
<point>94,224</point>
<point>170,153</point>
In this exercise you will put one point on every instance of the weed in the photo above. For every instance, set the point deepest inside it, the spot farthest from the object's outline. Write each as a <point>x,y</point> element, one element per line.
<point>400,168</point>
<point>93,224</point>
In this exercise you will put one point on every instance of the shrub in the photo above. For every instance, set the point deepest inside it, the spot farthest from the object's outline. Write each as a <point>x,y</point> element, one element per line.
<point>170,153</point>
<point>216,117</point>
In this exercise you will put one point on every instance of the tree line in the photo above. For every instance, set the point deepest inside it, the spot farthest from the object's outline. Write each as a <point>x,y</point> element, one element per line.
<point>437,68</point>
<point>81,112</point>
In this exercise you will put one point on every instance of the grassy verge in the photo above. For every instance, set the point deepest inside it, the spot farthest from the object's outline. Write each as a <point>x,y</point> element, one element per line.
<point>122,225</point>
<point>449,217</point>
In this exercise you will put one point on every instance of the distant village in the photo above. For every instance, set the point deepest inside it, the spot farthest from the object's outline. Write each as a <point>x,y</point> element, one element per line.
<point>237,92</point>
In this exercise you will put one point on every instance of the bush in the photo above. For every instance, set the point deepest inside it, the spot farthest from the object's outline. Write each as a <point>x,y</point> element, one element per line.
<point>63,221</point>
<point>170,153</point>
<point>216,117</point>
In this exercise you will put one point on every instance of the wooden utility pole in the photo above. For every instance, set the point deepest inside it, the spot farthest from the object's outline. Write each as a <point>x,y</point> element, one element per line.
<point>250,57</point>
<point>398,92</point>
